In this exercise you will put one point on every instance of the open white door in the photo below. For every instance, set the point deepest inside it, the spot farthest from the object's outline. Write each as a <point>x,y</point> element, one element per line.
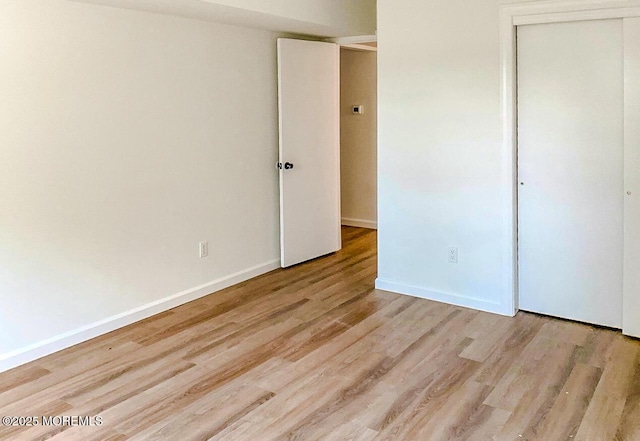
<point>309,104</point>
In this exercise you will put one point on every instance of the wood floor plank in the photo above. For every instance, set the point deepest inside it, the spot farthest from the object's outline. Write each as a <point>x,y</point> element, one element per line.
<point>532,400</point>
<point>482,346</point>
<point>507,349</point>
<point>315,352</point>
<point>203,424</point>
<point>347,432</point>
<point>615,387</point>
<point>629,427</point>
<point>413,422</point>
<point>567,412</point>
<point>18,377</point>
<point>456,422</point>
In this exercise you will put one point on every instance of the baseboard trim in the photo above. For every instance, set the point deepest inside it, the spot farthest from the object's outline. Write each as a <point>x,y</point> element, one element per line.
<point>361,223</point>
<point>449,298</point>
<point>57,343</point>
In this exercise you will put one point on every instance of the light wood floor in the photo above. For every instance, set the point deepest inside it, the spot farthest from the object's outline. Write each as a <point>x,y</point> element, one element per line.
<point>315,353</point>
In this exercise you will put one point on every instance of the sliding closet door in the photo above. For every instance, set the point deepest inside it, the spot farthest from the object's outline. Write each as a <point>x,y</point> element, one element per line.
<point>631,322</point>
<point>570,166</point>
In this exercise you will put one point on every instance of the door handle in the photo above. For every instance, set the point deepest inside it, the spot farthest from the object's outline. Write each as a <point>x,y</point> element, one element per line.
<point>288,166</point>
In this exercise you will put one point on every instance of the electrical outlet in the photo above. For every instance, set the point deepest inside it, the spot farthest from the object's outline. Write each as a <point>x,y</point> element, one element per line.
<point>204,249</point>
<point>453,255</point>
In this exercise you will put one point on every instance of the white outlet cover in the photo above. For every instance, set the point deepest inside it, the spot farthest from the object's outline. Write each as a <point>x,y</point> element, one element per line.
<point>204,249</point>
<point>453,255</point>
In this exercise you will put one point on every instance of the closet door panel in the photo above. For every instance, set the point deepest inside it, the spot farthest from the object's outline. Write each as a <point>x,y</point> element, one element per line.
<point>631,303</point>
<point>570,168</point>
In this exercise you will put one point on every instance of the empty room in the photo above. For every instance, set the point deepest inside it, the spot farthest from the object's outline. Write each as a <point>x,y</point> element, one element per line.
<point>411,220</point>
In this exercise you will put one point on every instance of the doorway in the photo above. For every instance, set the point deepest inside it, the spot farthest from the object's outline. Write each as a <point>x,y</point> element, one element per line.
<point>358,134</point>
<point>309,164</point>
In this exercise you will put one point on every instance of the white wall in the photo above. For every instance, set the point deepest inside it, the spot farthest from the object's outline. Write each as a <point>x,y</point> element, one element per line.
<point>439,152</point>
<point>125,139</point>
<point>358,138</point>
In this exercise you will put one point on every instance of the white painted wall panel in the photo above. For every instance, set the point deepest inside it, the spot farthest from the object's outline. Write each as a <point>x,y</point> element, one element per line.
<point>439,151</point>
<point>125,139</point>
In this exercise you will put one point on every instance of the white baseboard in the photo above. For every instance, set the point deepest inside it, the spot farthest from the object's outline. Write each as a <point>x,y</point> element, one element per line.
<point>349,222</point>
<point>452,299</point>
<point>59,342</point>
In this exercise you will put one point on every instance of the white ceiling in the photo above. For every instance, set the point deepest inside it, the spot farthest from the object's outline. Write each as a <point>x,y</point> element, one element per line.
<point>209,11</point>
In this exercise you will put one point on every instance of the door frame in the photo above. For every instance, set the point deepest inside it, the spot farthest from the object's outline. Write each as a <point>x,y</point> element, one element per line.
<point>511,16</point>
<point>358,43</point>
